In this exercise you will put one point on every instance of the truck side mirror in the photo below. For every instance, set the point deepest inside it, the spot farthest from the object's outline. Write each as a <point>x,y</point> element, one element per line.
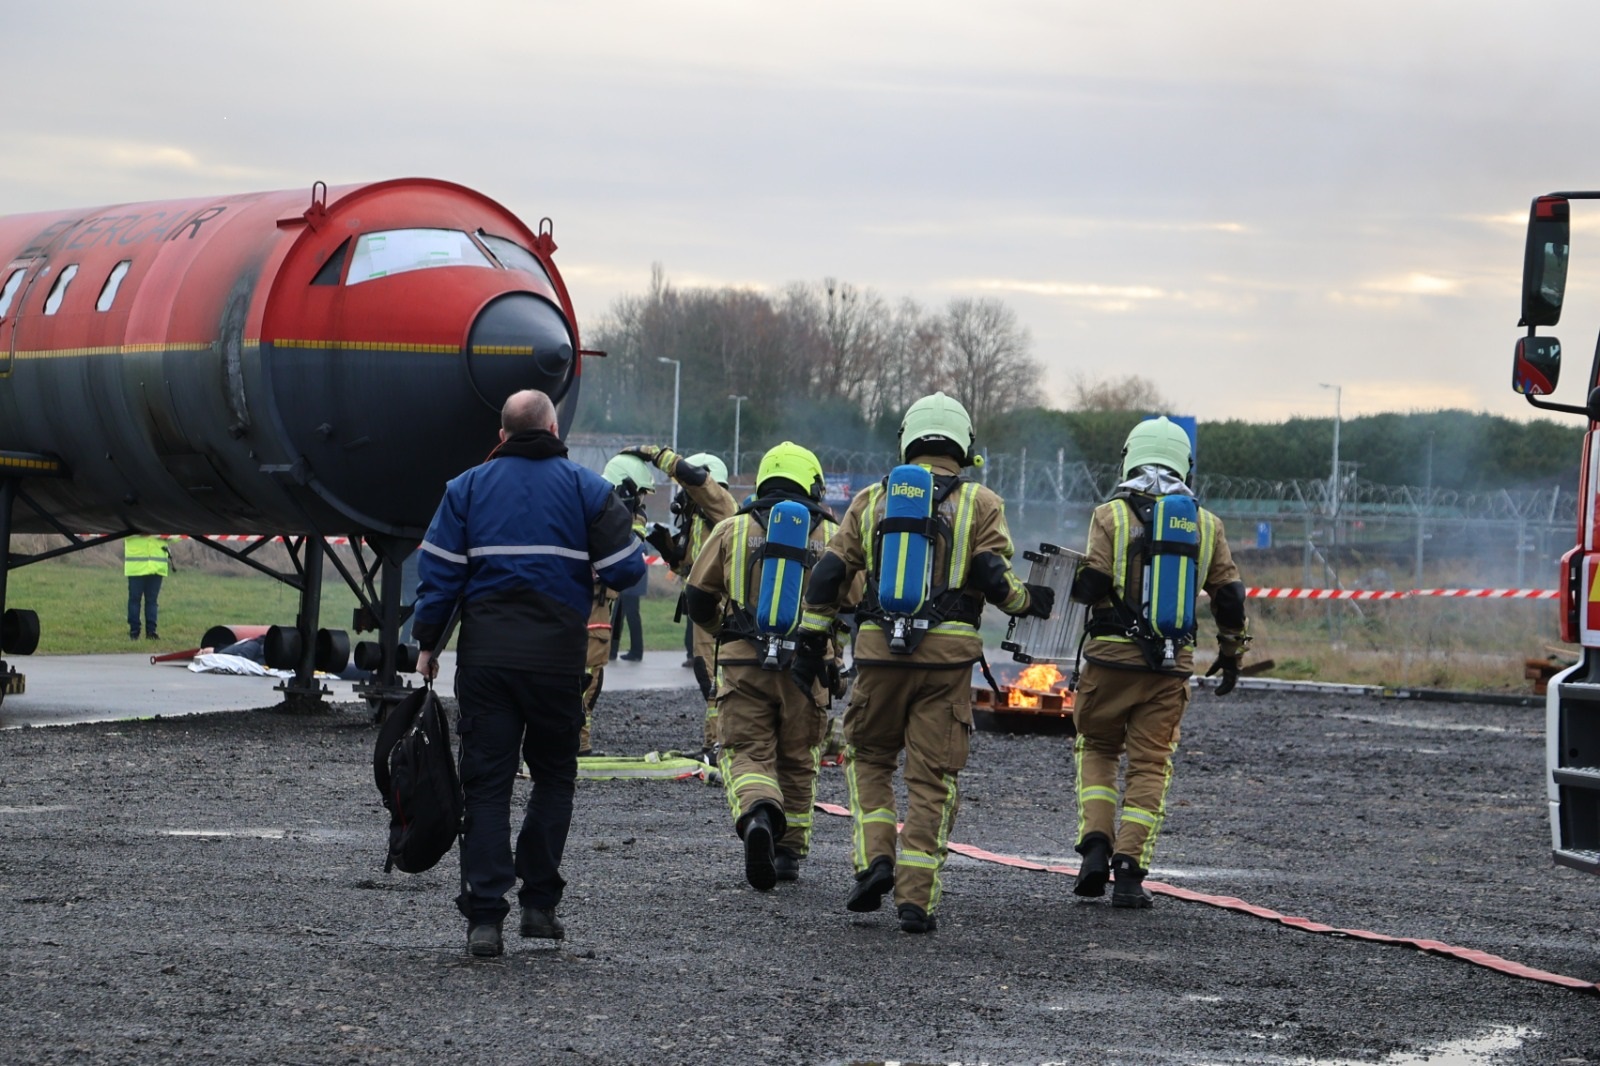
<point>1544,261</point>
<point>1536,367</point>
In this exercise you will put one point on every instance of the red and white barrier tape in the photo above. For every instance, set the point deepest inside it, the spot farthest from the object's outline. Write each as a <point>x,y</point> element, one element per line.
<point>1400,594</point>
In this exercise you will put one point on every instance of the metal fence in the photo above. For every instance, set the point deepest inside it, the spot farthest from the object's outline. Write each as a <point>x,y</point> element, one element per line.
<point>1412,534</point>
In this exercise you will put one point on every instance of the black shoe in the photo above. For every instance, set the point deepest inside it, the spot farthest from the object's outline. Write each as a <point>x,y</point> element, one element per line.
<point>758,855</point>
<point>152,635</point>
<point>633,658</point>
<point>590,753</point>
<point>483,940</point>
<point>542,923</point>
<point>913,919</point>
<point>786,864</point>
<point>133,636</point>
<point>1127,890</point>
<point>1095,869</point>
<point>689,662</point>
<point>871,885</point>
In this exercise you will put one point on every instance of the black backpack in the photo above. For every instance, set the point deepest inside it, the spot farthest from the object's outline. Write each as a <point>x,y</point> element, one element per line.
<point>415,770</point>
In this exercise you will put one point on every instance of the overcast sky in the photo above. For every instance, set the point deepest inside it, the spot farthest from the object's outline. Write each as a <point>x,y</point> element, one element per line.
<point>1239,200</point>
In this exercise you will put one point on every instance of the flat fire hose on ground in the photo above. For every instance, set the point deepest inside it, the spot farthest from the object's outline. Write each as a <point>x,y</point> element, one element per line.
<point>654,766</point>
<point>1233,903</point>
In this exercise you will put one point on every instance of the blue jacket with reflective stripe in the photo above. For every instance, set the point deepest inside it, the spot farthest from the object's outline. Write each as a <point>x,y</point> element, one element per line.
<point>521,541</point>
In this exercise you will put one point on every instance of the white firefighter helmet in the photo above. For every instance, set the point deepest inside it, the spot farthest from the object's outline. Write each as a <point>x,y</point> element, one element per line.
<point>718,468</point>
<point>1157,442</point>
<point>937,416</point>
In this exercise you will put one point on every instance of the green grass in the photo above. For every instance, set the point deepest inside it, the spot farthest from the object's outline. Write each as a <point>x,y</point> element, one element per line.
<point>84,609</point>
<point>1451,644</point>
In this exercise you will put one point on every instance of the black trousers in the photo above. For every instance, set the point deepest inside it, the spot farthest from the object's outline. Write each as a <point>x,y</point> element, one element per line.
<point>628,617</point>
<point>506,714</point>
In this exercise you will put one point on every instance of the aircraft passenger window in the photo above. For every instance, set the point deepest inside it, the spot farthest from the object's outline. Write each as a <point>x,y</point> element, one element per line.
<point>514,256</point>
<point>58,291</point>
<point>397,251</point>
<point>108,292</point>
<point>9,293</point>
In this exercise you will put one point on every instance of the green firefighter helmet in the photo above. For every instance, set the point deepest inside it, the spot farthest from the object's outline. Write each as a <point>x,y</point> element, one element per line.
<point>718,468</point>
<point>792,463</point>
<point>937,416</point>
<point>630,474</point>
<point>1158,442</point>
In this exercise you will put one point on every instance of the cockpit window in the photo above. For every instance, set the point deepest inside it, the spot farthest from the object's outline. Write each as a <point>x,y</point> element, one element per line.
<point>58,292</point>
<point>514,256</point>
<point>9,293</point>
<point>328,273</point>
<point>396,251</point>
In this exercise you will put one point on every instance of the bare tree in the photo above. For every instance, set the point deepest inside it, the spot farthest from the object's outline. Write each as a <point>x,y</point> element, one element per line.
<point>911,363</point>
<point>1131,393</point>
<point>987,364</point>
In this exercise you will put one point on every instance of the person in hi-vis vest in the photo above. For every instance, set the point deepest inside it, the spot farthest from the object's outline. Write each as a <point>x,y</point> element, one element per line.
<point>145,561</point>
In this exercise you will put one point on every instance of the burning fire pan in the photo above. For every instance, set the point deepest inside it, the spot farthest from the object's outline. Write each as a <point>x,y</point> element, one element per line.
<point>1032,705</point>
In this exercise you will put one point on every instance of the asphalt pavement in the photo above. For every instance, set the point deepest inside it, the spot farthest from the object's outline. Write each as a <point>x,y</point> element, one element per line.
<point>72,689</point>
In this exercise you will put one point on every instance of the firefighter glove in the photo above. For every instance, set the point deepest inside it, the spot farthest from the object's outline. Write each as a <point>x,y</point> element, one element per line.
<point>1041,600</point>
<point>1228,667</point>
<point>664,459</point>
<point>659,537</point>
<point>810,661</point>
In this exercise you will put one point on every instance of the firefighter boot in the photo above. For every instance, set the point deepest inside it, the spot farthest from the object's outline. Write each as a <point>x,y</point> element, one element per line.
<point>1095,869</point>
<point>871,885</point>
<point>760,828</point>
<point>913,919</point>
<point>786,864</point>
<point>1128,888</point>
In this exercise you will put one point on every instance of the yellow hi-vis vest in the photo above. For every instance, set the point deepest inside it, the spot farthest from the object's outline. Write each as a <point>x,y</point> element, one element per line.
<point>144,555</point>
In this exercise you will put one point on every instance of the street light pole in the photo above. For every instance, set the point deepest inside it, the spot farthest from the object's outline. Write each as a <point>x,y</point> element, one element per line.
<point>738,401</point>
<point>1333,483</point>
<point>677,379</point>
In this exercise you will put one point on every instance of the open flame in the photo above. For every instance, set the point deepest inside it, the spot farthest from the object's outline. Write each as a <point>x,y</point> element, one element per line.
<point>1036,679</point>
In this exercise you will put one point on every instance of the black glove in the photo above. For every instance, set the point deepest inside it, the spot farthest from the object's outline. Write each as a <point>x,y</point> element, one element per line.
<point>1041,601</point>
<point>659,537</point>
<point>661,458</point>
<point>810,661</point>
<point>1228,666</point>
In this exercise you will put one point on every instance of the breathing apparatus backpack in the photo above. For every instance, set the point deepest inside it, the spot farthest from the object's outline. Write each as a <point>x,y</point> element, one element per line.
<point>1165,620</point>
<point>903,594</point>
<point>785,558</point>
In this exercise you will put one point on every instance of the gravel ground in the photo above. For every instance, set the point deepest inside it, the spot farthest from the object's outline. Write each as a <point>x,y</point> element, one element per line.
<point>211,889</point>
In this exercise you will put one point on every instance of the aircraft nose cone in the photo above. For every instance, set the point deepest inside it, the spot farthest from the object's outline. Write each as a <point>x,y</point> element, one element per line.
<point>518,342</point>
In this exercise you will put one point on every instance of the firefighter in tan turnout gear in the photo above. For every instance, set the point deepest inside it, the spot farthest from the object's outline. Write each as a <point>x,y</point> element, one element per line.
<point>705,501</point>
<point>1150,547</point>
<point>631,479</point>
<point>746,587</point>
<point>934,547</point>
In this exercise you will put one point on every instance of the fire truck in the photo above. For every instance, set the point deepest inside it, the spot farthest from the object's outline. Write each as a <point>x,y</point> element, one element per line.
<point>1572,710</point>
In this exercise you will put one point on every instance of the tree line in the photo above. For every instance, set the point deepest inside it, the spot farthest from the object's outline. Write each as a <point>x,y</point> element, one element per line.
<point>816,361</point>
<point>831,364</point>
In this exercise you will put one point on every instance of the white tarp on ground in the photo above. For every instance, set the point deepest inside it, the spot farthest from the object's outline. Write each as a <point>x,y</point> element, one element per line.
<point>214,663</point>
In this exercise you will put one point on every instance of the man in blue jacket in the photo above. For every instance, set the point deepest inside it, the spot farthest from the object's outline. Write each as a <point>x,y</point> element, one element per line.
<point>519,540</point>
